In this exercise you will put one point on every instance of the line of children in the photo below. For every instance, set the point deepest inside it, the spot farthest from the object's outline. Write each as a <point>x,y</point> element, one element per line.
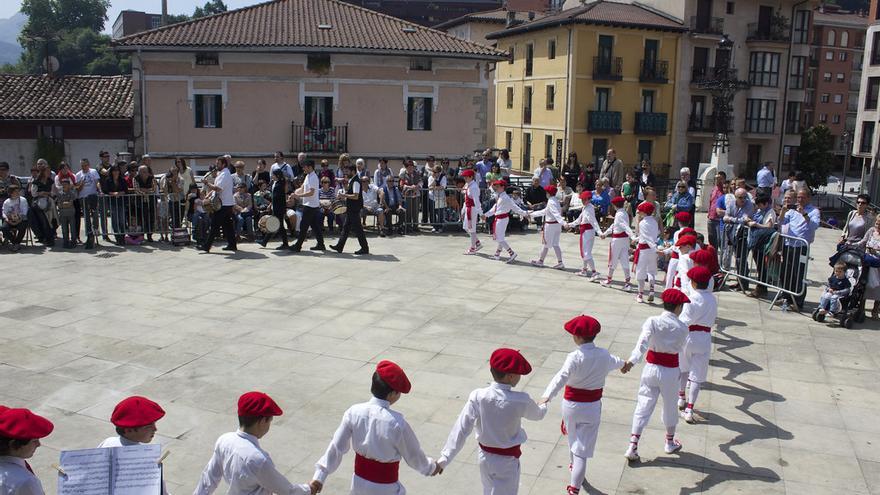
<point>588,226</point>
<point>699,315</point>
<point>683,220</point>
<point>552,230</point>
<point>500,213</point>
<point>618,249</point>
<point>686,244</point>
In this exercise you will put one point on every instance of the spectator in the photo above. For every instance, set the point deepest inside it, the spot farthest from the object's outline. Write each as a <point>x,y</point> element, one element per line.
<point>452,171</point>
<point>42,214</point>
<point>244,211</point>
<point>857,222</point>
<point>516,221</point>
<point>370,194</point>
<point>801,221</point>
<point>766,180</point>
<point>115,186</point>
<point>63,173</point>
<point>343,162</point>
<point>630,193</point>
<point>681,200</point>
<point>714,223</point>
<point>437,197</point>
<point>484,166</point>
<point>239,177</point>
<point>88,182</point>
<point>494,174</point>
<point>800,182</point>
<point>762,224</point>
<point>645,178</point>
<point>6,181</point>
<point>382,173</point>
<point>325,172</point>
<point>145,185</point>
<point>199,218</point>
<point>67,212</point>
<point>391,198</point>
<point>282,165</point>
<point>504,162</point>
<point>15,217</point>
<point>172,187</point>
<point>262,203</point>
<point>326,195</point>
<point>104,164</point>
<point>871,244</point>
<point>571,170</point>
<point>536,196</point>
<point>588,175</point>
<point>299,164</point>
<point>543,173</point>
<point>260,174</point>
<point>685,176</point>
<point>651,197</point>
<point>788,183</point>
<point>602,196</point>
<point>361,169</point>
<point>612,169</point>
<point>130,173</point>
<point>575,203</point>
<point>735,218</point>
<point>411,186</point>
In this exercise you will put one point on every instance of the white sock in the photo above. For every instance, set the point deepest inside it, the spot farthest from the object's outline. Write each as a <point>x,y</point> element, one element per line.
<point>693,392</point>
<point>641,287</point>
<point>683,379</point>
<point>543,253</point>
<point>558,252</point>
<point>578,471</point>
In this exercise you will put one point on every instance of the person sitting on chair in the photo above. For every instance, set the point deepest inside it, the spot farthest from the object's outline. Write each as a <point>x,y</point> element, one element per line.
<point>15,224</point>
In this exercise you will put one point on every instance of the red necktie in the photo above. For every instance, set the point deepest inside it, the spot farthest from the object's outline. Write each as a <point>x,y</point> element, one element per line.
<point>28,466</point>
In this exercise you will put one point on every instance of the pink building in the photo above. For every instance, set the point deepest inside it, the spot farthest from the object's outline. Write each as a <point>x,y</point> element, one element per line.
<point>320,76</point>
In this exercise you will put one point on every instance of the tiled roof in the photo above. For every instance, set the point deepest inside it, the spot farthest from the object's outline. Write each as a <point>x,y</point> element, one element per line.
<point>496,16</point>
<point>307,25</point>
<point>600,12</point>
<point>30,97</point>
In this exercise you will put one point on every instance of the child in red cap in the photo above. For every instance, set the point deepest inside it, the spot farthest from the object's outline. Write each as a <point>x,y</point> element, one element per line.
<point>660,342</point>
<point>471,210</point>
<point>645,257</point>
<point>500,213</point>
<point>682,220</point>
<point>589,226</point>
<point>240,461</point>
<point>20,434</point>
<point>618,251</point>
<point>583,375</point>
<point>685,245</point>
<point>496,412</point>
<point>552,230</point>
<point>380,438</point>
<point>699,315</point>
<point>135,421</point>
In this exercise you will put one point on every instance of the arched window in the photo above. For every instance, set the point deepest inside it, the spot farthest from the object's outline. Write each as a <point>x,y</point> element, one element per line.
<point>844,38</point>
<point>832,38</point>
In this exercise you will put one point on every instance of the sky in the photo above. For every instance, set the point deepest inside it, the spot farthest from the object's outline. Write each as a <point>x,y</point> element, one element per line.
<point>8,8</point>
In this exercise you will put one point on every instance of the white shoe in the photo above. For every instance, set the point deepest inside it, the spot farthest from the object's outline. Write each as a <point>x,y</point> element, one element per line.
<point>681,404</point>
<point>688,416</point>
<point>478,247</point>
<point>627,287</point>
<point>594,277</point>
<point>605,283</point>
<point>583,273</point>
<point>511,259</point>
<point>651,297</point>
<point>470,251</point>
<point>632,453</point>
<point>559,266</point>
<point>496,257</point>
<point>639,299</point>
<point>671,448</point>
<point>538,263</point>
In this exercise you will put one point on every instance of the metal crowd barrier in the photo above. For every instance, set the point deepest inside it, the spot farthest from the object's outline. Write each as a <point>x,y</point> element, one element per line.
<point>764,257</point>
<point>130,217</point>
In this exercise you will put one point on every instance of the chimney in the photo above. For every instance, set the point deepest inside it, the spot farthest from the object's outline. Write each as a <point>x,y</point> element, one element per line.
<point>164,12</point>
<point>511,18</point>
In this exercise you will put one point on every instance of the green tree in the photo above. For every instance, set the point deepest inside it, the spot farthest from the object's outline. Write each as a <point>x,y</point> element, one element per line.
<point>814,155</point>
<point>211,7</point>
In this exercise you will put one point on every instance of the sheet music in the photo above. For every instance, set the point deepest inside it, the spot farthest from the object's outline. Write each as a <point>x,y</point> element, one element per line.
<point>132,470</point>
<point>87,472</point>
<point>136,470</point>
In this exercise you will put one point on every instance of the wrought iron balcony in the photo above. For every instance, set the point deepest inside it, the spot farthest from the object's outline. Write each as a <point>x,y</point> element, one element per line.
<point>756,32</point>
<point>706,123</point>
<point>654,71</point>
<point>650,123</point>
<point>604,122</point>
<point>707,25</point>
<point>333,139</point>
<point>608,69</point>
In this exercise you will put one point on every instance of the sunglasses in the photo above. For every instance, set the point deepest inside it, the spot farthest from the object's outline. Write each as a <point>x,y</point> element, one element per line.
<point>861,202</point>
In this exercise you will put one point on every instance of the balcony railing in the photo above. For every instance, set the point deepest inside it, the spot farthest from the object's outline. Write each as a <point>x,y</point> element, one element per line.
<point>706,123</point>
<point>650,123</point>
<point>707,25</point>
<point>772,33</point>
<point>608,69</point>
<point>332,139</point>
<point>654,71</point>
<point>699,74</point>
<point>604,122</point>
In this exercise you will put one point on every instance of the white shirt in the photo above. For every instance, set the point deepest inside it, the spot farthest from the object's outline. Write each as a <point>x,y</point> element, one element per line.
<point>371,196</point>
<point>584,368</point>
<point>472,191</point>
<point>15,479</point>
<point>432,182</point>
<point>684,265</point>
<point>505,205</point>
<point>285,167</point>
<point>376,432</point>
<point>702,310</point>
<point>311,183</point>
<point>664,333</point>
<point>381,175</point>
<point>496,412</point>
<point>649,232</point>
<point>18,206</point>
<point>551,212</point>
<point>587,217</point>
<point>89,180</point>
<point>505,165</point>
<point>226,184</point>
<point>620,224</point>
<point>246,468</point>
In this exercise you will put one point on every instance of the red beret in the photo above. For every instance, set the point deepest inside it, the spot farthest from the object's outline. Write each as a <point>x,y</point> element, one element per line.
<point>583,326</point>
<point>551,190</point>
<point>258,404</point>
<point>586,195</point>
<point>467,173</point>
<point>687,240</point>
<point>22,424</point>
<point>509,361</point>
<point>617,200</point>
<point>394,376</point>
<point>674,296</point>
<point>686,231</point>
<point>499,182</point>
<point>683,217</point>
<point>3,409</point>
<point>136,411</point>
<point>646,207</point>
<point>702,256</point>
<point>699,274</point>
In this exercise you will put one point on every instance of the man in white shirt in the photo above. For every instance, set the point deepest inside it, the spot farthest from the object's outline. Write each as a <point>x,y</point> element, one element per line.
<point>88,183</point>
<point>311,209</point>
<point>282,165</point>
<point>223,186</point>
<point>543,173</point>
<point>371,203</point>
<point>135,420</point>
<point>15,214</point>
<point>766,180</point>
<point>240,461</point>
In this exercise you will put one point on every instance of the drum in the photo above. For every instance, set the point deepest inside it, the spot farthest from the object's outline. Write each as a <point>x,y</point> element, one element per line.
<point>42,203</point>
<point>269,224</point>
<point>338,206</point>
<point>212,203</point>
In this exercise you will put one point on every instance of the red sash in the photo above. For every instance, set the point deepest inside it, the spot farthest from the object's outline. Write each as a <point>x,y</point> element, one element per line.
<point>495,222</point>
<point>510,452</point>
<point>468,204</point>
<point>662,359</point>
<point>619,235</point>
<point>636,254</point>
<point>674,255</point>
<point>699,328</point>
<point>375,471</point>
<point>582,395</point>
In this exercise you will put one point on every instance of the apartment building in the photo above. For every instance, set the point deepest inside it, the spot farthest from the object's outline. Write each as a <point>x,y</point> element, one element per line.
<point>866,139</point>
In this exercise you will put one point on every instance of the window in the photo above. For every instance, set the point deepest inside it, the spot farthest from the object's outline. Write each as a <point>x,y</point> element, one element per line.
<point>418,113</point>
<point>824,97</point>
<point>792,117</point>
<point>730,8</point>
<point>842,56</point>
<point>875,47</point>
<point>826,77</point>
<point>551,96</point>
<point>155,22</point>
<point>510,97</point>
<point>844,39</point>
<point>512,54</point>
<point>835,119</point>
<point>527,151</point>
<point>840,77</point>
<point>867,136</point>
<point>832,37</point>
<point>548,145</point>
<point>790,156</point>
<point>872,93</point>
<point>801,26</point>
<point>764,69</point>
<point>318,63</point>
<point>319,112</point>
<point>838,98</point>
<point>600,146</point>
<point>508,140</point>
<point>603,95</point>
<point>527,105</point>
<point>207,58</point>
<point>209,111</point>
<point>798,64</point>
<point>420,63</point>
<point>753,156</point>
<point>829,55</point>
<point>645,149</point>
<point>760,116</point>
<point>530,55</point>
<point>823,117</point>
<point>551,49</point>
<point>648,100</point>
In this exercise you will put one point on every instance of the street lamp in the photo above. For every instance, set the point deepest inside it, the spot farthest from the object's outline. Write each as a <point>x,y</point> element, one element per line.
<point>846,137</point>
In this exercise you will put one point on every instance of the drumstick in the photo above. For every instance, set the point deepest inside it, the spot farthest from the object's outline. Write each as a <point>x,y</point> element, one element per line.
<point>58,468</point>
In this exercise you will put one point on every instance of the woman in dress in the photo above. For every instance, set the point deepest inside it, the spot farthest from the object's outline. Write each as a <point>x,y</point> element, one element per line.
<point>857,223</point>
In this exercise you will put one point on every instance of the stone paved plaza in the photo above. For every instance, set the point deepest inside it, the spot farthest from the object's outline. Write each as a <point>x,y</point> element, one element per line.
<point>791,407</point>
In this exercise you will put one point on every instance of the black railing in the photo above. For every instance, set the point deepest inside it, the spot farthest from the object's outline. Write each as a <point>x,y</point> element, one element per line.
<point>706,123</point>
<point>707,25</point>
<point>700,74</point>
<point>654,71</point>
<point>604,122</point>
<point>650,123</point>
<point>608,68</point>
<point>333,139</point>
<point>757,32</point>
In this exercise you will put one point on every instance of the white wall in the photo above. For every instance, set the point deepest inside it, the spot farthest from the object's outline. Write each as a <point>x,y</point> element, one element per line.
<point>20,152</point>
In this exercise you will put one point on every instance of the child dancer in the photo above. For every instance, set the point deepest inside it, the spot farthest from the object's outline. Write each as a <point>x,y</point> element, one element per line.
<point>683,219</point>
<point>645,258</point>
<point>699,315</point>
<point>500,213</point>
<point>553,220</point>
<point>660,342</point>
<point>583,375</point>
<point>496,412</point>
<point>618,250</point>
<point>471,210</point>
<point>588,228</point>
<point>686,245</point>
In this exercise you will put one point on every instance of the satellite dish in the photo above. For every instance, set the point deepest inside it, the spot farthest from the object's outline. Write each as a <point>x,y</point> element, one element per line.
<point>51,64</point>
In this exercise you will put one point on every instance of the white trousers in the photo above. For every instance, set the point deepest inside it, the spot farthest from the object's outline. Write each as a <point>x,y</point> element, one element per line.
<point>500,232</point>
<point>550,234</point>
<point>582,423</point>
<point>657,381</point>
<point>469,226</point>
<point>500,473</point>
<point>618,253</point>
<point>694,358</point>
<point>588,237</point>
<point>647,264</point>
<point>671,272</point>
<point>360,486</point>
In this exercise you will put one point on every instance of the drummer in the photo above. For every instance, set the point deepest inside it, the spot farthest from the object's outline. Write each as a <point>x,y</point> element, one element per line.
<point>279,209</point>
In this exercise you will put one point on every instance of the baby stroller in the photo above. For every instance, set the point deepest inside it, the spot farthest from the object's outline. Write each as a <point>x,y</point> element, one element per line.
<point>852,306</point>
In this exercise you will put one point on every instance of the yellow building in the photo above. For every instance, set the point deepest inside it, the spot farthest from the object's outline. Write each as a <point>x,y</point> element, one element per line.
<point>584,79</point>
